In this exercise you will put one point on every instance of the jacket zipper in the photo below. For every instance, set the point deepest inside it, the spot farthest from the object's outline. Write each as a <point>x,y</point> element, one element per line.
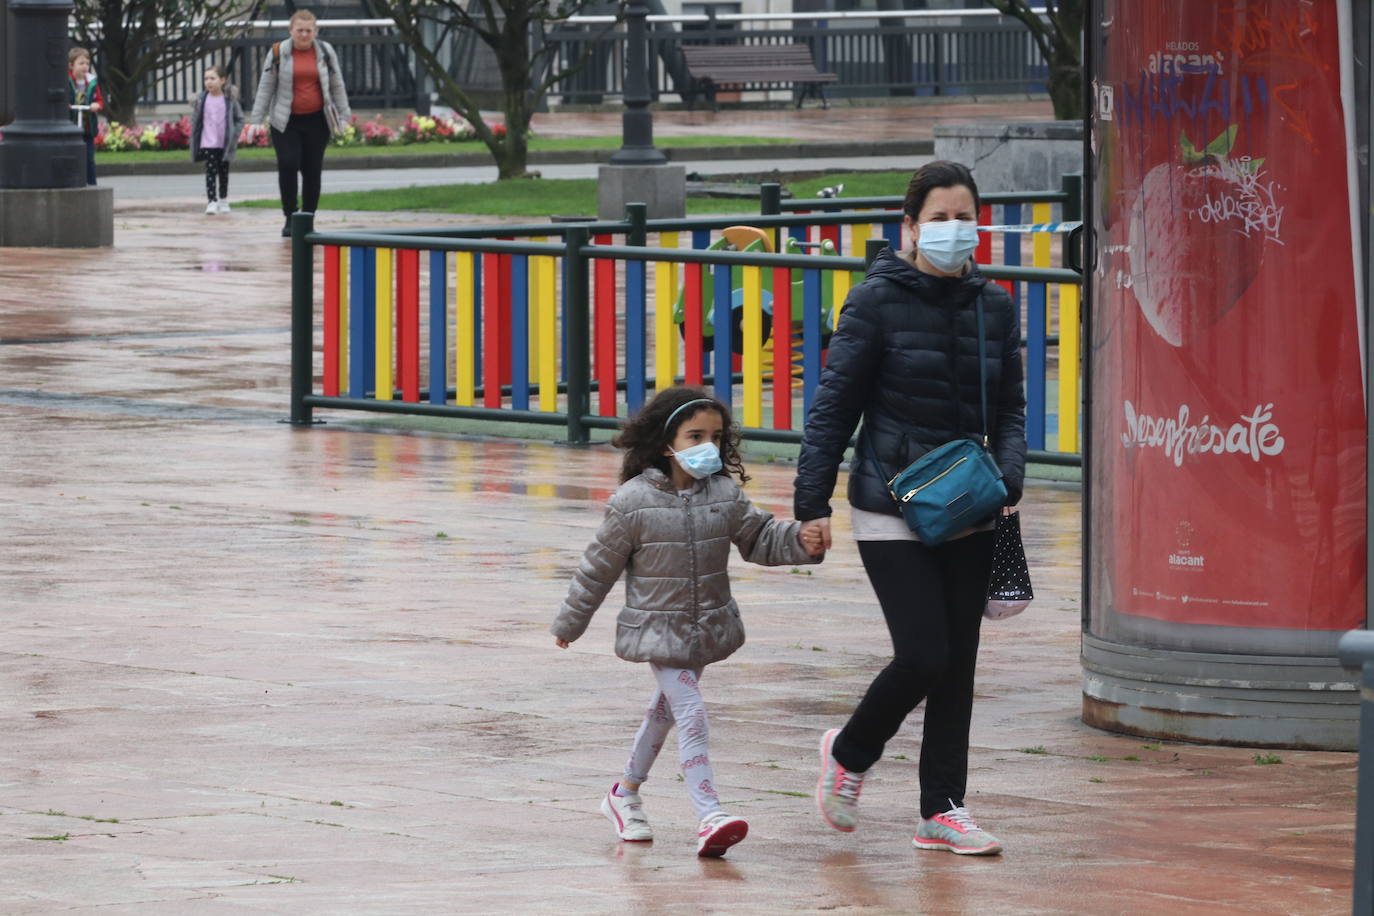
<point>692,555</point>
<point>911,493</point>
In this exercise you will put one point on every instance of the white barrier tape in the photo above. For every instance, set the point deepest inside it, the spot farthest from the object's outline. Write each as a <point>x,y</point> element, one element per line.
<point>1033,227</point>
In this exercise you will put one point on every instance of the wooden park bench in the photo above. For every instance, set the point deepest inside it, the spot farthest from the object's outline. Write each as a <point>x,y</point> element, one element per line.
<point>755,67</point>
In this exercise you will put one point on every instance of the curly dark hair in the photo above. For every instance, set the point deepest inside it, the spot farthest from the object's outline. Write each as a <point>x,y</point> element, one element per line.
<point>644,435</point>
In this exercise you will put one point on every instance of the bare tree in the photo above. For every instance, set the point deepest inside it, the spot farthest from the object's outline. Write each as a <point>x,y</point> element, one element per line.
<point>1059,33</point>
<point>513,30</point>
<point>133,39</point>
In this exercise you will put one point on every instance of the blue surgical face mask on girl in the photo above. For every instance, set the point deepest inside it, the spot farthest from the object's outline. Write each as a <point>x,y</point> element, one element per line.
<point>700,460</point>
<point>947,244</point>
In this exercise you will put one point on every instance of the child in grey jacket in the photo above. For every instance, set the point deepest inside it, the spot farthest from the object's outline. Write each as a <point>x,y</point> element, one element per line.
<point>669,528</point>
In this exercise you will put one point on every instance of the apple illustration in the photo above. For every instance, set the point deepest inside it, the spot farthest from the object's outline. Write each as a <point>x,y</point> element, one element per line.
<point>1198,230</point>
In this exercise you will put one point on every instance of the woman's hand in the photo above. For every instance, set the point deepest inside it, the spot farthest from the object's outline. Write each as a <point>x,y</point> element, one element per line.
<point>96,106</point>
<point>820,527</point>
<point>561,643</point>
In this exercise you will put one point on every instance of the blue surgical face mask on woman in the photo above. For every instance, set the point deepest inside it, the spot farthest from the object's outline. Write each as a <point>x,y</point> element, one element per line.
<point>947,244</point>
<point>700,460</point>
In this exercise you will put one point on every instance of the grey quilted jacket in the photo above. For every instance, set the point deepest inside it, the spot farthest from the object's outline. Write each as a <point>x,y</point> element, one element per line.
<point>272,102</point>
<point>674,551</point>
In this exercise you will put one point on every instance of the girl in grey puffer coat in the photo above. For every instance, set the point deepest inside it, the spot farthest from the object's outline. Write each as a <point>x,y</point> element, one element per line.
<point>669,529</point>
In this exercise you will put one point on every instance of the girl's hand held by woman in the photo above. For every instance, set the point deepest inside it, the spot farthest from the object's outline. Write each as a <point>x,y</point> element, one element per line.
<point>561,643</point>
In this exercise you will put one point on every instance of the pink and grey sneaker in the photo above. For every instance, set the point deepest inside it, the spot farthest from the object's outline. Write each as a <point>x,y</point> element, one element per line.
<point>955,830</point>
<point>837,791</point>
<point>718,832</point>
<point>626,814</point>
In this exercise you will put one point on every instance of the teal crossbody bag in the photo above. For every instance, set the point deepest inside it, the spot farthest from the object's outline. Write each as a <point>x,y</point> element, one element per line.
<point>955,486</point>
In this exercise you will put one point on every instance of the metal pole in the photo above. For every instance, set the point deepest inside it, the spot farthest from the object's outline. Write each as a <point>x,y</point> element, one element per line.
<point>637,215</point>
<point>1356,651</point>
<point>871,249</point>
<point>302,316</point>
<point>770,198</point>
<point>42,148</point>
<point>637,124</point>
<point>577,310</point>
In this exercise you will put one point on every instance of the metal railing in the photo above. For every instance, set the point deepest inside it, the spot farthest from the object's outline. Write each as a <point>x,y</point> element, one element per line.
<point>891,53</point>
<point>529,322</point>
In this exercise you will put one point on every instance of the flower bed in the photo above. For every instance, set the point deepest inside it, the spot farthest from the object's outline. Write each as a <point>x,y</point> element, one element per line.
<point>115,137</point>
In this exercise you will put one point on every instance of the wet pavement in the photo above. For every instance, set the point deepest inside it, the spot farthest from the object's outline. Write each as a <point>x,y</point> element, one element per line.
<point>257,669</point>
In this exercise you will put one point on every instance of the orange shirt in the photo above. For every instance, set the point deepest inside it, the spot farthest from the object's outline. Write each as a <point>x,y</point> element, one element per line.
<point>306,97</point>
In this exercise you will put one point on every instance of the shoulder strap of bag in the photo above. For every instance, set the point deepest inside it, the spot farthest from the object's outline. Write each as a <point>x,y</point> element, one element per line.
<point>982,370</point>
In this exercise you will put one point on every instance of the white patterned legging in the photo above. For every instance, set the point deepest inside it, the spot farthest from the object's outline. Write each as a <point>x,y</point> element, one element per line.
<point>678,699</point>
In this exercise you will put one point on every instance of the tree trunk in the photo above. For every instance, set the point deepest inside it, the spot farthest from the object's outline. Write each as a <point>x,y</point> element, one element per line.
<point>1066,87</point>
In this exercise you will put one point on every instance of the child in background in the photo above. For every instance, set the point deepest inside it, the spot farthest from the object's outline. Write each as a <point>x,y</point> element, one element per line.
<point>669,527</point>
<point>216,119</point>
<point>86,101</point>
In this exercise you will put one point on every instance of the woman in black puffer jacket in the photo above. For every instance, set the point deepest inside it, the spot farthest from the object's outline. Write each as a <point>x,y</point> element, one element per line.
<point>904,359</point>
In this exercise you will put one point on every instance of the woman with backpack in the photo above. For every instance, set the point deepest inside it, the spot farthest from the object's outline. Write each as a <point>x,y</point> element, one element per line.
<point>301,95</point>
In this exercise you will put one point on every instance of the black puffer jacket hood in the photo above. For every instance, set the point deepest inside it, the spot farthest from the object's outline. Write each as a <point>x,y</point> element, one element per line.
<point>903,339</point>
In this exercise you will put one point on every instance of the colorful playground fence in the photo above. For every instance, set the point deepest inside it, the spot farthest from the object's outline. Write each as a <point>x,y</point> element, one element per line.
<point>575,324</point>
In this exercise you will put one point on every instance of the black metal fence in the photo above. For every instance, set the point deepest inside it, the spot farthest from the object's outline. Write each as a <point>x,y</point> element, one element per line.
<point>872,57</point>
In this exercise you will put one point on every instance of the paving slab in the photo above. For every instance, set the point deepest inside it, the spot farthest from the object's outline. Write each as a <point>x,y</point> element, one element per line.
<point>246,674</point>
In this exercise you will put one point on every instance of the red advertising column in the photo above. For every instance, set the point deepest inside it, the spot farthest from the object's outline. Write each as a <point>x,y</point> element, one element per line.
<point>1226,523</point>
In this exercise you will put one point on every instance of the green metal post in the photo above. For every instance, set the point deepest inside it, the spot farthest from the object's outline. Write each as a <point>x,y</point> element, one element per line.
<point>302,316</point>
<point>770,198</point>
<point>579,317</point>
<point>1072,186</point>
<point>637,215</point>
<point>871,249</point>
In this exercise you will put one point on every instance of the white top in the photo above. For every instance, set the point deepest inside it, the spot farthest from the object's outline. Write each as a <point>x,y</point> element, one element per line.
<point>875,526</point>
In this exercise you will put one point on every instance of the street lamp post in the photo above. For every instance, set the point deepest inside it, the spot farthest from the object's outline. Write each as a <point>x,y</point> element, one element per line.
<point>639,172</point>
<point>44,200</point>
<point>42,148</point>
<point>637,122</point>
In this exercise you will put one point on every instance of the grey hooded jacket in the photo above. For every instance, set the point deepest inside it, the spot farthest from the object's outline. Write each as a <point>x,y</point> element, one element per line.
<point>674,550</point>
<point>272,102</point>
<point>233,122</point>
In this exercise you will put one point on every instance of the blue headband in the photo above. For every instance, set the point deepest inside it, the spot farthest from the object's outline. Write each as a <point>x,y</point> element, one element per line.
<point>669,422</point>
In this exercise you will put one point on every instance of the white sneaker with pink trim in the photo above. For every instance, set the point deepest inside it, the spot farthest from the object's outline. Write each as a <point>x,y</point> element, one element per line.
<point>626,814</point>
<point>718,832</point>
<point>955,831</point>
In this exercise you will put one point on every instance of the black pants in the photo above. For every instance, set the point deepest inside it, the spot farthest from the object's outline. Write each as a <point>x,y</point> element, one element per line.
<point>300,150</point>
<point>216,173</point>
<point>933,600</point>
<point>90,160</point>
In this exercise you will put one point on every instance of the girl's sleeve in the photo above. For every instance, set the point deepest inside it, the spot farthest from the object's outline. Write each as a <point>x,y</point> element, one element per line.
<point>765,540</point>
<point>601,566</point>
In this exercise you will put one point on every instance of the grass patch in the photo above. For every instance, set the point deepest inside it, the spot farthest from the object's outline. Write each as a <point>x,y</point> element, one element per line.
<point>537,144</point>
<point>1038,749</point>
<point>1098,758</point>
<point>1152,747</point>
<point>544,197</point>
<point>55,838</point>
<point>1265,760</point>
<point>1130,757</point>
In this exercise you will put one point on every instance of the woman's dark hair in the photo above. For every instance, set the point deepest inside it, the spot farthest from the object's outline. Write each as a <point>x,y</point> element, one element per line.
<point>644,435</point>
<point>938,174</point>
